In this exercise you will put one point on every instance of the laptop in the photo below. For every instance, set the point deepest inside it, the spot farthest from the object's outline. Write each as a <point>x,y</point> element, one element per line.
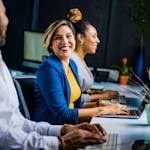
<point>134,113</point>
<point>132,102</point>
<point>110,144</point>
<point>129,101</point>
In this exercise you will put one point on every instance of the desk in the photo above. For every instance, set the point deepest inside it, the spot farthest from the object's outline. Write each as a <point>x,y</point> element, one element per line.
<point>127,90</point>
<point>128,130</point>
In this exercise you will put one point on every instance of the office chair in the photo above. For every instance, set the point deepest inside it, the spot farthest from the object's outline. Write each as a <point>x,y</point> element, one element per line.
<point>25,89</point>
<point>22,103</point>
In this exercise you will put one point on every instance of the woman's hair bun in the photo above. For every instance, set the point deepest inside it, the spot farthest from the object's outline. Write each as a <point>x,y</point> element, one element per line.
<point>74,15</point>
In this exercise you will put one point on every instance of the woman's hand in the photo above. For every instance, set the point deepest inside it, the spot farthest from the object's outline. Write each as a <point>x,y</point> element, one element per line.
<point>108,94</point>
<point>114,109</point>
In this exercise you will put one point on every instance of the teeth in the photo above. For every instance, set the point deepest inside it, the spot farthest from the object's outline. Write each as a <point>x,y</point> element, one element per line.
<point>64,48</point>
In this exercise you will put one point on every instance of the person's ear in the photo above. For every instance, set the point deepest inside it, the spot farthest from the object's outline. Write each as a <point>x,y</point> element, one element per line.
<point>80,38</point>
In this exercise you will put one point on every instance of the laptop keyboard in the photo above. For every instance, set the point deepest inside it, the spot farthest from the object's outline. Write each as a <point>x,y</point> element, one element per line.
<point>133,112</point>
<point>120,99</point>
<point>110,144</point>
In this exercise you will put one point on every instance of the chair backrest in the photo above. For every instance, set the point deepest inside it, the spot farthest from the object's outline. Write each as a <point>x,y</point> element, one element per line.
<point>26,94</point>
<point>22,103</point>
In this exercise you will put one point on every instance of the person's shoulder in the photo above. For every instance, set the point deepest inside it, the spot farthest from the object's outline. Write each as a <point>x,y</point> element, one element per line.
<point>76,59</point>
<point>72,62</point>
<point>51,62</point>
<point>74,56</point>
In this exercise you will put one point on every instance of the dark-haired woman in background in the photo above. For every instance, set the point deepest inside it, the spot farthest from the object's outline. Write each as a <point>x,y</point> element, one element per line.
<point>86,43</point>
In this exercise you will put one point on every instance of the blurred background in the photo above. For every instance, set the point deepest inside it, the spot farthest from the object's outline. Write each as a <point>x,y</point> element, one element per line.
<point>120,25</point>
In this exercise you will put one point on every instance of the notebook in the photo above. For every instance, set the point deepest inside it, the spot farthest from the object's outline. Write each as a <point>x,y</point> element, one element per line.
<point>129,101</point>
<point>134,113</point>
<point>110,144</point>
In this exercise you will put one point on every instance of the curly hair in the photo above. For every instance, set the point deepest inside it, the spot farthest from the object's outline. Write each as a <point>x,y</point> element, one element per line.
<point>74,15</point>
<point>76,18</point>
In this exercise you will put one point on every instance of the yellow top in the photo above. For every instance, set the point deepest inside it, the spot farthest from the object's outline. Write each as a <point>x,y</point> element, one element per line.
<point>74,86</point>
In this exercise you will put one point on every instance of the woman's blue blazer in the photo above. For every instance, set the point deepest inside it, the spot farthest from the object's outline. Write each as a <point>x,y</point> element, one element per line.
<point>52,93</point>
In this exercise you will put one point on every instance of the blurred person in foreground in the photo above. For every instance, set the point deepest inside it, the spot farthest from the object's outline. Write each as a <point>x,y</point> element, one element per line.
<point>16,132</point>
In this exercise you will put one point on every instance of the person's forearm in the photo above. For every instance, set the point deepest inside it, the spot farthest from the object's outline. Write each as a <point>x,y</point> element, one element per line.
<point>16,138</point>
<point>94,97</point>
<point>90,104</point>
<point>88,112</point>
<point>42,128</point>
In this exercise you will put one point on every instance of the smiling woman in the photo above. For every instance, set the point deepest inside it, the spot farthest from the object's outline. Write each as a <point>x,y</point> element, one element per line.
<point>57,89</point>
<point>57,81</point>
<point>63,43</point>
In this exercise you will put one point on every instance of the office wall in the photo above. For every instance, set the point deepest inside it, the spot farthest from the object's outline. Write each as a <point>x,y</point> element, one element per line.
<point>124,38</point>
<point>96,11</point>
<point>117,32</point>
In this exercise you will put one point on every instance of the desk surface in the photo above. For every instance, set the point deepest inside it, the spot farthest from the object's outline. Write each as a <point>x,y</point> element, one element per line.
<point>127,90</point>
<point>128,130</point>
